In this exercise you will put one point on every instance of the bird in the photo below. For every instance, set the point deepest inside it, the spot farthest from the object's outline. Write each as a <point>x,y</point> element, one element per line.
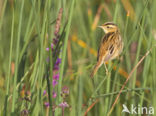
<point>111,46</point>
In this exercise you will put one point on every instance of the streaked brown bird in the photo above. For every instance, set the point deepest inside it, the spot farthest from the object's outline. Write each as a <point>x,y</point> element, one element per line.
<point>111,46</point>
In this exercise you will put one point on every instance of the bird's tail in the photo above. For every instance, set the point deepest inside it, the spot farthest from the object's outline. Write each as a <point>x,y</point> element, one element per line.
<point>97,66</point>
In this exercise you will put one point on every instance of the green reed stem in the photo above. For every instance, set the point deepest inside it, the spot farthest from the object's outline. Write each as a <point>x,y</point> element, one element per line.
<point>123,91</point>
<point>17,58</point>
<point>80,95</point>
<point>49,79</point>
<point>2,13</point>
<point>9,66</point>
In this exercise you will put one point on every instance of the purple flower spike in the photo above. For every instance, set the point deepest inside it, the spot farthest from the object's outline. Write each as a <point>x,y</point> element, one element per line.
<point>54,83</point>
<point>56,76</point>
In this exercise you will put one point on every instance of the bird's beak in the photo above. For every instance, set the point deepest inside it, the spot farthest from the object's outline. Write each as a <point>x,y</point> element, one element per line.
<point>103,28</point>
<point>100,27</point>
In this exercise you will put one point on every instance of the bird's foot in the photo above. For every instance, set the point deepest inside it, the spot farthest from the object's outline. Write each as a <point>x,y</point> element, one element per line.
<point>107,72</point>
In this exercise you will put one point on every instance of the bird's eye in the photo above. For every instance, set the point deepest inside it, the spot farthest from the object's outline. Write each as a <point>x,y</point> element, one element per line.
<point>108,27</point>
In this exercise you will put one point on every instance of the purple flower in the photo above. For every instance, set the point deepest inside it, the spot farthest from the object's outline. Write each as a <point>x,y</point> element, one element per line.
<point>25,112</point>
<point>47,49</point>
<point>65,90</point>
<point>58,61</point>
<point>52,45</point>
<point>44,92</point>
<point>56,76</point>
<point>54,83</point>
<point>56,67</point>
<point>46,104</point>
<point>54,94</point>
<point>55,40</point>
<point>63,105</point>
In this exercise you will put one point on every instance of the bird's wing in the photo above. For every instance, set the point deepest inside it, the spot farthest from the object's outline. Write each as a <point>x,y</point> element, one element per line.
<point>106,48</point>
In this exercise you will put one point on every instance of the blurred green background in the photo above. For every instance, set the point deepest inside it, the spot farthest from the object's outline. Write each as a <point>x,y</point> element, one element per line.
<point>27,28</point>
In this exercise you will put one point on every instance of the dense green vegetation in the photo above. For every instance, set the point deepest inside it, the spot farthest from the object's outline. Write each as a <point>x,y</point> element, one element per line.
<point>48,49</point>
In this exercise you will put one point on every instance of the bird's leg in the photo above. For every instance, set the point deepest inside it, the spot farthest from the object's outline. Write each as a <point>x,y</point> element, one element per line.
<point>106,69</point>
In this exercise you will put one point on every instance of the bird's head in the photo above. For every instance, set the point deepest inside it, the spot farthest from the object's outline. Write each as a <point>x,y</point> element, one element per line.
<point>109,27</point>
